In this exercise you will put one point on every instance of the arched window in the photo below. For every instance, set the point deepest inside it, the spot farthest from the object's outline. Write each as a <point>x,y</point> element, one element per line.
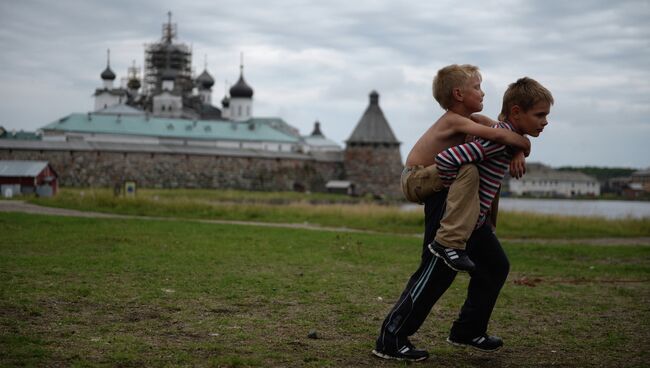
<point>239,110</point>
<point>163,108</point>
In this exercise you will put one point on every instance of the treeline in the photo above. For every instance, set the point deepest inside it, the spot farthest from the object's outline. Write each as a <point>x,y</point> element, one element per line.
<point>603,174</point>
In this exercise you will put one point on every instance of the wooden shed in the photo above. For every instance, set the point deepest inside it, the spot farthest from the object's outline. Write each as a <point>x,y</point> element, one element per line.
<point>27,177</point>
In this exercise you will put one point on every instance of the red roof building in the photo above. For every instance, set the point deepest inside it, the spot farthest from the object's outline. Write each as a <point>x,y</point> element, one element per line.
<point>27,177</point>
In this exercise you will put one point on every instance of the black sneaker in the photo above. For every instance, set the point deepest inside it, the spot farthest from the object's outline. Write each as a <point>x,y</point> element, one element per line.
<point>406,352</point>
<point>483,343</point>
<point>456,259</point>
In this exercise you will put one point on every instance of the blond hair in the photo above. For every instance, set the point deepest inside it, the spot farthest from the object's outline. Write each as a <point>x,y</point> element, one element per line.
<point>450,77</point>
<point>525,93</point>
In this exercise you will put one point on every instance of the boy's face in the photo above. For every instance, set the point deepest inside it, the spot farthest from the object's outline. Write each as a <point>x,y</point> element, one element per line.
<point>472,94</point>
<point>533,121</point>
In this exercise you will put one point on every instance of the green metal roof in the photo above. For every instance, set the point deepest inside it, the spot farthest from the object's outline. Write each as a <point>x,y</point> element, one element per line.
<point>20,135</point>
<point>261,129</point>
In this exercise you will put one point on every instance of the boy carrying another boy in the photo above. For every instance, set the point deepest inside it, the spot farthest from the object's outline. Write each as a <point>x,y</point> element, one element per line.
<point>526,105</point>
<point>457,88</point>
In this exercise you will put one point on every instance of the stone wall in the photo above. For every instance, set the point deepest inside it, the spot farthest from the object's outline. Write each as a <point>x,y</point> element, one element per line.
<point>374,168</point>
<point>164,170</point>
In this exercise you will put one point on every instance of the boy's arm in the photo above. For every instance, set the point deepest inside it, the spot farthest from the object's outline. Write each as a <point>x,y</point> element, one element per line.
<point>518,165</point>
<point>450,160</point>
<point>483,120</point>
<point>502,136</point>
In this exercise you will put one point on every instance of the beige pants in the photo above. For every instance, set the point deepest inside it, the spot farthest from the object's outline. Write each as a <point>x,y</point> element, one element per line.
<point>462,210</point>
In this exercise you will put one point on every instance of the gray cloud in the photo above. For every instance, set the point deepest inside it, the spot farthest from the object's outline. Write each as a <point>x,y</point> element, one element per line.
<point>311,60</point>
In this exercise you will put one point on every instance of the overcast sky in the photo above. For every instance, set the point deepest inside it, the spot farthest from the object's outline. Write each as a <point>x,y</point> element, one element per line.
<point>319,60</point>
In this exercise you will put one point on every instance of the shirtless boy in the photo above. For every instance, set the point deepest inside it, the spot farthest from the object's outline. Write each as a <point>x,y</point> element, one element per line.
<point>457,88</point>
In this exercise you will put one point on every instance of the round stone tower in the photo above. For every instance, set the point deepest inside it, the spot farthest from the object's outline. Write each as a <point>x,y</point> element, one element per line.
<point>372,159</point>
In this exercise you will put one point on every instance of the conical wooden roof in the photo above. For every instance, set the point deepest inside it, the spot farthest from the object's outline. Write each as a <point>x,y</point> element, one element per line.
<point>373,126</point>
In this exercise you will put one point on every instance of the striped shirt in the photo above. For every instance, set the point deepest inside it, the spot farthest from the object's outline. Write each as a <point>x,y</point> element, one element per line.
<point>492,160</point>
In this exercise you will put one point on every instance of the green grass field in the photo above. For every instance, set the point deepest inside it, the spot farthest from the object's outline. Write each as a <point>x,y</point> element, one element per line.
<point>139,293</point>
<point>325,210</point>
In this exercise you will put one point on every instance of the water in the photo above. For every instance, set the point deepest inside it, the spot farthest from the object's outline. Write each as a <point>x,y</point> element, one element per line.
<point>588,208</point>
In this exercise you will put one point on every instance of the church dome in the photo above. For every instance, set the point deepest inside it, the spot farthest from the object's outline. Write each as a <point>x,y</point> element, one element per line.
<point>205,80</point>
<point>108,74</point>
<point>133,83</point>
<point>241,89</point>
<point>225,102</point>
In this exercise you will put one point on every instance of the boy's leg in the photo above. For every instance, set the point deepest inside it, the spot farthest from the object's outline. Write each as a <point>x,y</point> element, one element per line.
<point>463,208</point>
<point>492,269</point>
<point>459,220</point>
<point>423,289</point>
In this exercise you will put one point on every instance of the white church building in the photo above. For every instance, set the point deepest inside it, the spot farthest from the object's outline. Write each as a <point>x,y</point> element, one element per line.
<point>543,181</point>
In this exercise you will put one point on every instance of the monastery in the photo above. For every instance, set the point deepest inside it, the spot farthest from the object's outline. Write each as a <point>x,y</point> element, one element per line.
<point>161,130</point>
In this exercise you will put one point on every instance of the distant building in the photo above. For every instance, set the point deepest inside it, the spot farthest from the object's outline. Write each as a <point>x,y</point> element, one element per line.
<point>372,158</point>
<point>27,177</point>
<point>543,181</point>
<point>168,88</point>
<point>340,187</point>
<point>641,180</point>
<point>19,135</point>
<point>161,130</point>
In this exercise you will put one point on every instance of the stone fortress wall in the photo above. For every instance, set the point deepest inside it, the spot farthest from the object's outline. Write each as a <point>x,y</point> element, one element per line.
<point>78,168</point>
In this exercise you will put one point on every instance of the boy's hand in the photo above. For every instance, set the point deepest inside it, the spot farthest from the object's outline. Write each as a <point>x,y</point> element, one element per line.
<point>518,165</point>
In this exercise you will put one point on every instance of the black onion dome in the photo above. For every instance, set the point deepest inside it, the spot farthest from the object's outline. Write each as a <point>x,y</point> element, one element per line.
<point>205,80</point>
<point>108,74</point>
<point>225,102</point>
<point>241,89</point>
<point>133,83</point>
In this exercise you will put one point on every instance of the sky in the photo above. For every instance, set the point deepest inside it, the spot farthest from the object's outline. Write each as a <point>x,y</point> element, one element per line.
<point>319,60</point>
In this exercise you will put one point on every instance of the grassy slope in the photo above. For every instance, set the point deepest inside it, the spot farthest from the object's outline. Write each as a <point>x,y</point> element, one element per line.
<point>299,208</point>
<point>79,292</point>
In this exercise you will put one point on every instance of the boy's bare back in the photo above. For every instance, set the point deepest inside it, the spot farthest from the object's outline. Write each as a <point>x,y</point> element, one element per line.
<point>440,136</point>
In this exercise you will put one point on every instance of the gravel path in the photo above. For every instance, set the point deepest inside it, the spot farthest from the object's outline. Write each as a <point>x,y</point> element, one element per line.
<point>23,207</point>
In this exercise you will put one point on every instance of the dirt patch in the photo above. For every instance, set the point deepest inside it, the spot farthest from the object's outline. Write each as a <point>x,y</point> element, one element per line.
<point>534,281</point>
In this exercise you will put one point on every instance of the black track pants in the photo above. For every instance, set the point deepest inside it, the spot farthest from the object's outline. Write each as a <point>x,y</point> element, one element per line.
<point>433,278</point>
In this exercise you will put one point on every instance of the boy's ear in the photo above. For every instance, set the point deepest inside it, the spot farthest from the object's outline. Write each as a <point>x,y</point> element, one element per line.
<point>515,111</point>
<point>457,94</point>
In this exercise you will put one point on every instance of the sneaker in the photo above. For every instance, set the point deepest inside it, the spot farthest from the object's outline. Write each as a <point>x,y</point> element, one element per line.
<point>456,259</point>
<point>483,343</point>
<point>407,352</point>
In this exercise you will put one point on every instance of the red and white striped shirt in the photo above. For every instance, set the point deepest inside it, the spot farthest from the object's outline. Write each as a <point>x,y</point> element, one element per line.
<point>492,160</point>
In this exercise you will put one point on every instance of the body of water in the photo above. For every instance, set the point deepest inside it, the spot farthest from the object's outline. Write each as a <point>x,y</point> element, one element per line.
<point>597,208</point>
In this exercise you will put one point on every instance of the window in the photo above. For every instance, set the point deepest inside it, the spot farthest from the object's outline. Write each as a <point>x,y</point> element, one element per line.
<point>248,111</point>
<point>238,110</point>
<point>163,108</point>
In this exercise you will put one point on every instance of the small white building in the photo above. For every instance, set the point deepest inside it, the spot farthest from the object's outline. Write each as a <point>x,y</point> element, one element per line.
<point>641,179</point>
<point>543,181</point>
<point>317,142</point>
<point>107,96</point>
<point>169,102</point>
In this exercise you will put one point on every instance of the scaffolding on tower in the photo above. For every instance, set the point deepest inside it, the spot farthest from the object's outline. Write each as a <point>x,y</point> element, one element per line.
<point>166,55</point>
